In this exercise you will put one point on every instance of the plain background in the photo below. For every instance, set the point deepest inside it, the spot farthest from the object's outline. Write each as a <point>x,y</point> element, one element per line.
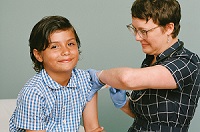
<point>106,43</point>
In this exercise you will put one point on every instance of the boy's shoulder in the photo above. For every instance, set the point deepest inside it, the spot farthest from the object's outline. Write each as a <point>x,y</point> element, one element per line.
<point>35,80</point>
<point>35,84</point>
<point>80,72</point>
<point>79,75</point>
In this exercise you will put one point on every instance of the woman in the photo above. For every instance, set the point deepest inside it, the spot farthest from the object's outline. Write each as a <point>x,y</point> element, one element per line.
<point>165,91</point>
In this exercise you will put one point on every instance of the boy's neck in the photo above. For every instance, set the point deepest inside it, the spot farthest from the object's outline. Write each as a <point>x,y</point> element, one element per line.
<point>61,78</point>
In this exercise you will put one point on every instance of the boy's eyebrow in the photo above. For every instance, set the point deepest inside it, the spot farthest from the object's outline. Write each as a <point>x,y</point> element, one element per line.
<point>53,42</point>
<point>58,41</point>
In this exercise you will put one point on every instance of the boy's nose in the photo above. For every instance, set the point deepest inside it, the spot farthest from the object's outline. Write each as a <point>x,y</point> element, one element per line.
<point>65,51</point>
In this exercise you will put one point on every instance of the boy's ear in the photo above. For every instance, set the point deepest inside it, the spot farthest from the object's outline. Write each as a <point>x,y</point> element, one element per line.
<point>37,55</point>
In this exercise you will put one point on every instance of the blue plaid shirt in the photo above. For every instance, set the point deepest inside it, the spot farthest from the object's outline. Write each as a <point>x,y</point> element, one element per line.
<point>43,104</point>
<point>166,110</point>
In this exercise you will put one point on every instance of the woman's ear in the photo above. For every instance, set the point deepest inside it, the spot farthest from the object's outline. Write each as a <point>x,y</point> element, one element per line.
<point>169,28</point>
<point>37,55</point>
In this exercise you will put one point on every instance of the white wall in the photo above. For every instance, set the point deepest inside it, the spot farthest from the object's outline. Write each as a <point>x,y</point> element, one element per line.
<point>106,43</point>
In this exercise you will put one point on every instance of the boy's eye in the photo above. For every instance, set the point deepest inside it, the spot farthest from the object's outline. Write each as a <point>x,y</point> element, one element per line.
<point>53,46</point>
<point>71,44</point>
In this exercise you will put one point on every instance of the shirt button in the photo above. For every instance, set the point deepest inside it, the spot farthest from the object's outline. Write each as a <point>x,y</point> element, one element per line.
<point>64,121</point>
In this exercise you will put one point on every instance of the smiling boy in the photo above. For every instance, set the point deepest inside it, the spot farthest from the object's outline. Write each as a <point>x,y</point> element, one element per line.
<point>55,99</point>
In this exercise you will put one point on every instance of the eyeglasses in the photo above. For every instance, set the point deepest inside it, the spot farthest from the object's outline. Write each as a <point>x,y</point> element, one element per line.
<point>141,33</point>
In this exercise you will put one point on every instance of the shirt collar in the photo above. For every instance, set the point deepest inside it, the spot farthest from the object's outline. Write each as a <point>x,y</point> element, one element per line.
<point>149,58</point>
<point>169,51</point>
<point>53,84</point>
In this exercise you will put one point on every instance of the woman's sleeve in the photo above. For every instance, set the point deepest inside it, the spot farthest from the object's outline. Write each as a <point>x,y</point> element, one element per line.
<point>183,70</point>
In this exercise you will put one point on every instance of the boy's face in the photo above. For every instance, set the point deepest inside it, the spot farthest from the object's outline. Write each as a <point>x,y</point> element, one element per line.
<point>62,54</point>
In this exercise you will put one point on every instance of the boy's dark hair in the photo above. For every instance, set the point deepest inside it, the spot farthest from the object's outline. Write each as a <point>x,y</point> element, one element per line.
<point>161,12</point>
<point>39,37</point>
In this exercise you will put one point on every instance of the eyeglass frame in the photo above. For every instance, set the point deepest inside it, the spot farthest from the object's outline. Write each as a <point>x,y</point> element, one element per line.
<point>141,33</point>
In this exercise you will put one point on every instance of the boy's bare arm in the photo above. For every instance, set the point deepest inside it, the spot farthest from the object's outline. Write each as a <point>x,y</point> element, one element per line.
<point>90,116</point>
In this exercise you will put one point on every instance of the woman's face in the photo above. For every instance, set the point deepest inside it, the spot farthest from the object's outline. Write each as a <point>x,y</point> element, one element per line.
<point>155,41</point>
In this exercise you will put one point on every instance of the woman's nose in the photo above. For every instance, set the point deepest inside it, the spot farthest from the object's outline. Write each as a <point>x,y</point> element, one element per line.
<point>138,37</point>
